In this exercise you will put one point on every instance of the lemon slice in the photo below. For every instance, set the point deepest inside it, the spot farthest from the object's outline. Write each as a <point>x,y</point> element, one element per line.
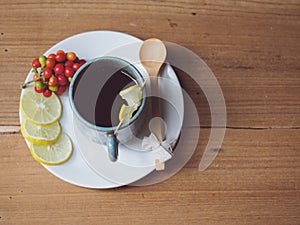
<point>38,109</point>
<point>55,154</point>
<point>126,113</point>
<point>132,95</point>
<point>41,135</point>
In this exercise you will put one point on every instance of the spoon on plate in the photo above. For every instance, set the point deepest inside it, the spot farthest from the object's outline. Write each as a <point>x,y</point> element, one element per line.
<point>152,55</point>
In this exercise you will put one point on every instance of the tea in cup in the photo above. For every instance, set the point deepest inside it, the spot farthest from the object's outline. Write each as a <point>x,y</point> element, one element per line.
<point>96,103</point>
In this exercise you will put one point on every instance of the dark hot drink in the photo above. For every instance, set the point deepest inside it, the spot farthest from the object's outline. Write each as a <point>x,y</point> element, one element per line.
<point>96,92</point>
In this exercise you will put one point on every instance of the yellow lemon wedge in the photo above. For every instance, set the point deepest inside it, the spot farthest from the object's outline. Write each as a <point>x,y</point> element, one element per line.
<point>133,98</point>
<point>132,95</point>
<point>41,135</point>
<point>38,109</point>
<point>126,113</point>
<point>55,154</point>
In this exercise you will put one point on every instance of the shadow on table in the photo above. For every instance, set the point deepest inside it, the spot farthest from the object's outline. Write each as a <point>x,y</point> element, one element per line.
<point>197,115</point>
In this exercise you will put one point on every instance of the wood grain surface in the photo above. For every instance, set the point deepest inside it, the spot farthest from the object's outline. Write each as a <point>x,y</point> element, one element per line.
<point>253,48</point>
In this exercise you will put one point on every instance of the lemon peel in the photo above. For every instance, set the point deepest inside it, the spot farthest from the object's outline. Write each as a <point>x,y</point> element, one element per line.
<point>132,95</point>
<point>55,154</point>
<point>126,113</point>
<point>41,135</point>
<point>38,109</point>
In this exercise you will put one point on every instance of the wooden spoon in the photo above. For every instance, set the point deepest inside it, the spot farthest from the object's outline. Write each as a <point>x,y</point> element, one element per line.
<point>153,53</point>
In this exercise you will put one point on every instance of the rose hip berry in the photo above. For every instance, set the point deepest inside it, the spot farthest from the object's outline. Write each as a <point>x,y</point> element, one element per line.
<point>61,89</point>
<point>53,81</point>
<point>69,63</point>
<point>59,69</point>
<point>54,73</point>
<point>71,56</point>
<point>60,57</point>
<point>47,93</point>
<point>37,90</point>
<point>50,62</point>
<point>62,80</point>
<point>69,72</point>
<point>76,66</point>
<point>47,72</point>
<point>36,63</point>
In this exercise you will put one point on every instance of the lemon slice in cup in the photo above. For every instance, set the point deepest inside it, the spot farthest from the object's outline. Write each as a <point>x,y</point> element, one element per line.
<point>132,95</point>
<point>55,154</point>
<point>41,135</point>
<point>126,113</point>
<point>38,109</point>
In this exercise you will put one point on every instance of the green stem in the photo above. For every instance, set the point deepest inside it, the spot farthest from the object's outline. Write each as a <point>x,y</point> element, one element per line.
<point>29,82</point>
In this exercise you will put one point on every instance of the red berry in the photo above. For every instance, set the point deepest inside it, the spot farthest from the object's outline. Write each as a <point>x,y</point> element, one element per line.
<point>50,62</point>
<point>61,89</point>
<point>60,51</point>
<point>53,81</point>
<point>36,63</point>
<point>47,72</point>
<point>43,79</point>
<point>37,90</point>
<point>62,80</point>
<point>71,56</point>
<point>82,61</point>
<point>59,69</point>
<point>51,56</point>
<point>47,93</point>
<point>69,72</point>
<point>76,66</point>
<point>69,63</point>
<point>60,57</point>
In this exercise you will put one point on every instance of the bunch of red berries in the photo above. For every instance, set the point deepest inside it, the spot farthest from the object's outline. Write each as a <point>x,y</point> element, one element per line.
<point>54,73</point>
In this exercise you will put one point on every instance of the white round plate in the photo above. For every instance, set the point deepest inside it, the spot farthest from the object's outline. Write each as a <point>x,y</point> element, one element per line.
<point>76,171</point>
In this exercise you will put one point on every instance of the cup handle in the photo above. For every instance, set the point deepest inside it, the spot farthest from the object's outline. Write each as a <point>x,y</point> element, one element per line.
<point>112,147</point>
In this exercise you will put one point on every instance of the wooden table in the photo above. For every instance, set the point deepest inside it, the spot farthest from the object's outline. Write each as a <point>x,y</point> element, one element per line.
<point>253,47</point>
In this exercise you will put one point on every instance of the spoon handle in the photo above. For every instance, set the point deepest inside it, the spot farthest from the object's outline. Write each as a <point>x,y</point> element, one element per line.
<point>156,124</point>
<point>156,110</point>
